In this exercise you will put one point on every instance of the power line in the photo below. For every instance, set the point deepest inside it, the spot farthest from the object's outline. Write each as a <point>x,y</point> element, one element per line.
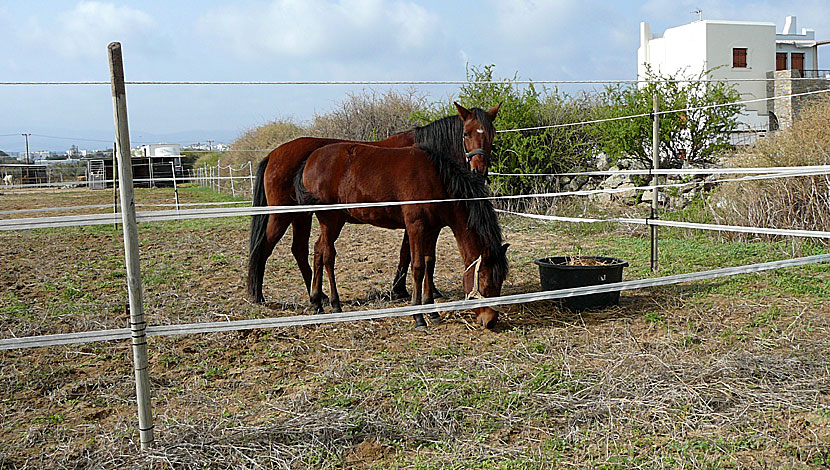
<point>403,82</point>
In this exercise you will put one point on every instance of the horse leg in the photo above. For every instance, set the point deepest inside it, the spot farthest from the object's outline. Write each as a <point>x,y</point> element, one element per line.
<point>399,283</point>
<point>436,294</point>
<point>429,285</point>
<point>301,226</point>
<point>324,255</point>
<point>416,247</point>
<point>263,241</point>
<point>315,293</point>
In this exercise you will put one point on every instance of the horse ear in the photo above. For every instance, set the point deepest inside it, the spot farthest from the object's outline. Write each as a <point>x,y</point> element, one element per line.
<point>462,111</point>
<point>504,247</point>
<point>493,111</point>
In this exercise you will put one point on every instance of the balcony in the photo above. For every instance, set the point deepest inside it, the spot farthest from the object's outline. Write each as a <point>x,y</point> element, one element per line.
<point>820,73</point>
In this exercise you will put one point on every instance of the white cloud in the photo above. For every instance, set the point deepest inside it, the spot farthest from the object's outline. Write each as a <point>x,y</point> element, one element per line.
<point>529,19</point>
<point>323,28</point>
<point>86,30</point>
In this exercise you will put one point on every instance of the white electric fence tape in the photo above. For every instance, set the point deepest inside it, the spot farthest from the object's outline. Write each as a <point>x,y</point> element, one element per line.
<point>671,223</point>
<point>156,216</point>
<point>301,320</point>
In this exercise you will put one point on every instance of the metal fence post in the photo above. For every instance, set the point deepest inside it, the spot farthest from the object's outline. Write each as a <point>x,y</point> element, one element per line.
<point>251,172</point>
<point>175,187</point>
<point>136,307</point>
<point>655,155</point>
<point>218,176</point>
<point>230,174</point>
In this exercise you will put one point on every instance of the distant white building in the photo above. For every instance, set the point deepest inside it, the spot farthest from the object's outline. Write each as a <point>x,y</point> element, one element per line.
<point>74,151</point>
<point>733,50</point>
<point>157,150</point>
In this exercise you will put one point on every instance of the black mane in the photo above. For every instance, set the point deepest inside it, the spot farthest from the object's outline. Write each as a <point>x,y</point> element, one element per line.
<point>446,134</point>
<point>439,141</point>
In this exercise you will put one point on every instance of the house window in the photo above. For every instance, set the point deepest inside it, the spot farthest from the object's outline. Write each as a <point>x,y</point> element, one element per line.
<point>797,62</point>
<point>780,61</point>
<point>739,57</point>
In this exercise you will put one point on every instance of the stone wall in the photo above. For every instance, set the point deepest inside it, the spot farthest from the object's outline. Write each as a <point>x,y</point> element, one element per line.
<point>787,109</point>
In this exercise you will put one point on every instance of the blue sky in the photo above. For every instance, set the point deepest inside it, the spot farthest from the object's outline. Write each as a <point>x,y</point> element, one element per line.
<point>274,40</point>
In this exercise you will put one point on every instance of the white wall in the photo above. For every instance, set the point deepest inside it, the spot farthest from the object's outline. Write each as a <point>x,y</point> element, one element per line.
<point>707,45</point>
<point>679,49</point>
<point>759,39</point>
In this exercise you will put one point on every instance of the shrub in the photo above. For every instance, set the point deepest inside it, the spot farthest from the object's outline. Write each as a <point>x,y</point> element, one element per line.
<point>550,150</point>
<point>370,115</point>
<point>255,143</point>
<point>797,202</point>
<point>696,136</point>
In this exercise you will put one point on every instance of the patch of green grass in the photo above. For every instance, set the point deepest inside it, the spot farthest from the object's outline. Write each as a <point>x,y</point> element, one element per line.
<point>654,317</point>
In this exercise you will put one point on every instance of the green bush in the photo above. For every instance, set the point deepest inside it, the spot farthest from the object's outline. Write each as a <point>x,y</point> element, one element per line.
<point>694,136</point>
<point>548,150</point>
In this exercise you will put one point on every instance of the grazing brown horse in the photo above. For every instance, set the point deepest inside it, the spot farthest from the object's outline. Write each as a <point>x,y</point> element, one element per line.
<point>357,173</point>
<point>276,172</point>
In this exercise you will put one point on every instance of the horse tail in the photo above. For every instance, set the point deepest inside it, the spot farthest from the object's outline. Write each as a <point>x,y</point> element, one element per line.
<point>300,192</point>
<point>259,225</point>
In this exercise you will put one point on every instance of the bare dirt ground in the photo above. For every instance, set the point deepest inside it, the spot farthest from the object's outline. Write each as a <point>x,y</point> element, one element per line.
<point>730,373</point>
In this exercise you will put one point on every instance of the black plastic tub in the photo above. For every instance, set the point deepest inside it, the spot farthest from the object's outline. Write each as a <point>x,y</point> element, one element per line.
<point>556,273</point>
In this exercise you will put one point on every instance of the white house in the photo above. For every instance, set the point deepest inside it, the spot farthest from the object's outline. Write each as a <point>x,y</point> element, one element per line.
<point>157,150</point>
<point>732,50</point>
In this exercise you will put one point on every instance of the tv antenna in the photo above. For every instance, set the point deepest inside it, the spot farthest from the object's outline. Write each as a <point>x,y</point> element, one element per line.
<point>699,13</point>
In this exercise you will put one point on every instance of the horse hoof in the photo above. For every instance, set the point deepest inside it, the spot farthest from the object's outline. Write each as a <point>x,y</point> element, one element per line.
<point>336,308</point>
<point>422,328</point>
<point>436,294</point>
<point>435,318</point>
<point>319,311</point>
<point>400,295</point>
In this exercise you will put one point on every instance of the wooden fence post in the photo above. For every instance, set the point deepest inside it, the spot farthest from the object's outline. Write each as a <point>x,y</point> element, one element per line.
<point>136,307</point>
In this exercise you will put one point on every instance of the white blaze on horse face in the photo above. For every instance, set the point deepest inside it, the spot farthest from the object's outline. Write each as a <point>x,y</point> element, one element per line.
<point>480,131</point>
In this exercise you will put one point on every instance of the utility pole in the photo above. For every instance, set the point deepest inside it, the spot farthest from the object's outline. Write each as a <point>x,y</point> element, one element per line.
<point>27,153</point>
<point>27,146</point>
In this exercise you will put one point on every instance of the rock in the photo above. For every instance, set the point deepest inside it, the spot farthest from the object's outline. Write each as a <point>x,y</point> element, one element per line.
<point>602,162</point>
<point>601,198</point>
<point>627,197</point>
<point>578,182</point>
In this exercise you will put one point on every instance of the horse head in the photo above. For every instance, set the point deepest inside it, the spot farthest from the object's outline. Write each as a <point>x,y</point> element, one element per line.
<point>478,136</point>
<point>484,278</point>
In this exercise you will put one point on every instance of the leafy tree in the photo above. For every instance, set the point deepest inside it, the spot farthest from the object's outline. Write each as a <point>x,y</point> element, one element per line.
<point>546,150</point>
<point>695,135</point>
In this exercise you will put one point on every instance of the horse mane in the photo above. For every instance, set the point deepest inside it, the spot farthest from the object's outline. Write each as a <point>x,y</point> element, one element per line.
<point>461,183</point>
<point>445,134</point>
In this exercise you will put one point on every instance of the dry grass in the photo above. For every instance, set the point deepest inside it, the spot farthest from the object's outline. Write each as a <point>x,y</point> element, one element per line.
<point>802,202</point>
<point>731,373</point>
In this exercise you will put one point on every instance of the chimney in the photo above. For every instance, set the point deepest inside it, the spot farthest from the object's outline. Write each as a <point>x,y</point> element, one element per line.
<point>790,26</point>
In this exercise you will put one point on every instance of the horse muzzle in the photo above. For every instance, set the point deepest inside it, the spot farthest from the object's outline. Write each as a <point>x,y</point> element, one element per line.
<point>469,156</point>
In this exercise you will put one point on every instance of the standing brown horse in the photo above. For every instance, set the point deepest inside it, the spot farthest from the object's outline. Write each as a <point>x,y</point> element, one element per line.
<point>467,139</point>
<point>358,173</point>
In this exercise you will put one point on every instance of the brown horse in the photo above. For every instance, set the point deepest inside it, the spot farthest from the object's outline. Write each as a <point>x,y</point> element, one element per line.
<point>356,173</point>
<point>275,175</point>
